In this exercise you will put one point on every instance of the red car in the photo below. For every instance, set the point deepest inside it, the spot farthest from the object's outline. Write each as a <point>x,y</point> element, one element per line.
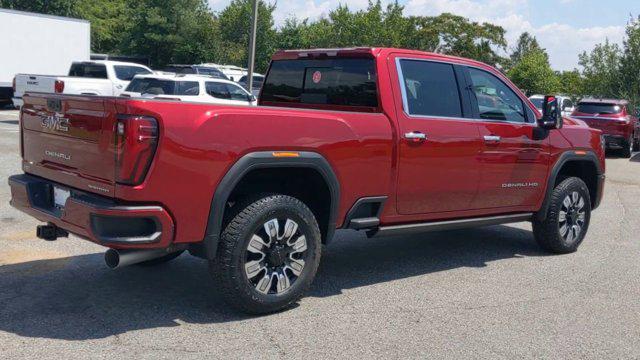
<point>621,130</point>
<point>386,141</point>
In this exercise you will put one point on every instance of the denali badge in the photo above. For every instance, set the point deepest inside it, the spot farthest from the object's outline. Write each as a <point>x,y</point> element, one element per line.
<point>58,155</point>
<point>520,185</point>
<point>55,122</point>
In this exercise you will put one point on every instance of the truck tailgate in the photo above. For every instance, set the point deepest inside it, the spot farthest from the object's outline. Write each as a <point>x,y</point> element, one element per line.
<point>70,140</point>
<point>34,83</point>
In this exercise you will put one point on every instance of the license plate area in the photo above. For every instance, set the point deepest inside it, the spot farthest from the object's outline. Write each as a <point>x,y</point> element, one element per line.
<point>60,196</point>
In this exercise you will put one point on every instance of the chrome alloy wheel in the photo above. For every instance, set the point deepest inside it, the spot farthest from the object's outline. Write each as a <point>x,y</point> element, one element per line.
<point>572,217</point>
<point>274,259</point>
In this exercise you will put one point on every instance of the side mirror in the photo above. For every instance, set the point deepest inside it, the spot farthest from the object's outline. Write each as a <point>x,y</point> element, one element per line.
<point>551,114</point>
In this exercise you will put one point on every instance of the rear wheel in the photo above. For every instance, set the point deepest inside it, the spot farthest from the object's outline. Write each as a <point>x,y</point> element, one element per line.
<point>636,143</point>
<point>567,220</point>
<point>269,254</point>
<point>627,147</point>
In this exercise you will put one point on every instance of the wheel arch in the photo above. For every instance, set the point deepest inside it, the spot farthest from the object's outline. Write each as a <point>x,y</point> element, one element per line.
<point>265,160</point>
<point>581,164</point>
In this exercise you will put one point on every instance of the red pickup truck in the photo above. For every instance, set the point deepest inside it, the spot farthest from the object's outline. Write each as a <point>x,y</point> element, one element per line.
<point>386,141</point>
<point>621,130</point>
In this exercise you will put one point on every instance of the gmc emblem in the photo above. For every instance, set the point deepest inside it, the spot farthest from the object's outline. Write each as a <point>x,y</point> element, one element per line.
<point>55,122</point>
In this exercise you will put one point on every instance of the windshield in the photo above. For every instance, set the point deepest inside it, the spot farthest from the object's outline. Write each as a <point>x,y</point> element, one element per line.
<point>163,87</point>
<point>599,108</point>
<point>124,72</point>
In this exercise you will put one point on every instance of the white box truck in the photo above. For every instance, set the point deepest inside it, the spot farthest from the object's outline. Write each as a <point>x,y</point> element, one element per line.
<point>39,44</point>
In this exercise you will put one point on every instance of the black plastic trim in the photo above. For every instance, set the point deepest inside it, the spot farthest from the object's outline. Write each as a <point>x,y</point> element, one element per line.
<point>262,160</point>
<point>567,156</point>
<point>350,222</point>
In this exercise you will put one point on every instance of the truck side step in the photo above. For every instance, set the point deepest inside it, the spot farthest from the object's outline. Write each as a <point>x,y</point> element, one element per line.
<point>449,225</point>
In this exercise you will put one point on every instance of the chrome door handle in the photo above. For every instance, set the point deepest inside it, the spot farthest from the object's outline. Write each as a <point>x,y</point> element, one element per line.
<point>492,138</point>
<point>416,135</point>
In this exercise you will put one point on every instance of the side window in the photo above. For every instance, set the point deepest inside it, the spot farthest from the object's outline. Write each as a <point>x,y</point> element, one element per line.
<point>567,104</point>
<point>237,93</point>
<point>430,89</point>
<point>496,101</point>
<point>188,88</point>
<point>218,90</point>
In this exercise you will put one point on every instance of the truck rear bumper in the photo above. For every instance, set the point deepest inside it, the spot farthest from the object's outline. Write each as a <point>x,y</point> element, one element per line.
<point>96,218</point>
<point>17,102</point>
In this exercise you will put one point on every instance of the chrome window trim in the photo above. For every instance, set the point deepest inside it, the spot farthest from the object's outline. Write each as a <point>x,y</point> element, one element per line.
<point>405,103</point>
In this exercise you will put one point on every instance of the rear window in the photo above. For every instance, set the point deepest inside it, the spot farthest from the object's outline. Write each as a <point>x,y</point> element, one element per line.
<point>599,108</point>
<point>88,70</point>
<point>348,83</point>
<point>163,87</point>
<point>126,73</point>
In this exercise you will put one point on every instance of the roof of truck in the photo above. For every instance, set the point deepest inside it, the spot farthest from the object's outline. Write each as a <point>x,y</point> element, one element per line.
<point>365,51</point>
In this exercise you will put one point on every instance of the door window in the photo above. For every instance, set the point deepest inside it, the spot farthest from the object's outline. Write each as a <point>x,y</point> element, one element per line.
<point>226,91</point>
<point>430,89</point>
<point>495,100</point>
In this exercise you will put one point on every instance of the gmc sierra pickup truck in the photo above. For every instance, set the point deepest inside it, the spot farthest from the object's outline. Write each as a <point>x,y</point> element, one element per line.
<point>384,141</point>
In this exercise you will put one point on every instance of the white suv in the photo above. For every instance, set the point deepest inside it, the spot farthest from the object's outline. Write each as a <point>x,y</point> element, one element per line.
<point>192,88</point>
<point>566,104</point>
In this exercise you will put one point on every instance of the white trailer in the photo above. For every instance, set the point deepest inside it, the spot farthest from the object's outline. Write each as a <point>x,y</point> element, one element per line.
<point>39,44</point>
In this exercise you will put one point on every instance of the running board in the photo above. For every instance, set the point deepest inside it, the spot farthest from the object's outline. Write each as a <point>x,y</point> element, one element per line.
<point>449,225</point>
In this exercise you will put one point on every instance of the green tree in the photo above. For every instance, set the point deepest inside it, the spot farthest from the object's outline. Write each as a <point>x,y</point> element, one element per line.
<point>534,75</point>
<point>630,64</point>
<point>108,21</point>
<point>526,43</point>
<point>50,7</point>
<point>571,84</point>
<point>234,23</point>
<point>170,31</point>
<point>601,70</point>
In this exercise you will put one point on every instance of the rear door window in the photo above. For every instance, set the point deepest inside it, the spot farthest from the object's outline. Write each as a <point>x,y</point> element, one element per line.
<point>226,91</point>
<point>430,89</point>
<point>350,84</point>
<point>88,70</point>
<point>163,87</point>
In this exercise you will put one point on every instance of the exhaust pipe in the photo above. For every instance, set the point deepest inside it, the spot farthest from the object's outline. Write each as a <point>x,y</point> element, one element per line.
<point>116,259</point>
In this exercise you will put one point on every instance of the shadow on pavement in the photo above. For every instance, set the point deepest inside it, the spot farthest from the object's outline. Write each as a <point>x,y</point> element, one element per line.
<point>77,298</point>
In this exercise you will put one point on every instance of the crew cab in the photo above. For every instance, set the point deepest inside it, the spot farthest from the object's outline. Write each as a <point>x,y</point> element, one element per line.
<point>620,128</point>
<point>99,77</point>
<point>383,141</point>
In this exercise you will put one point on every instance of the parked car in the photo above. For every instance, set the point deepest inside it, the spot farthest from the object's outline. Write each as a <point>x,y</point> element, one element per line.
<point>258,80</point>
<point>566,104</point>
<point>189,88</point>
<point>384,141</point>
<point>234,73</point>
<point>620,128</point>
<point>195,70</point>
<point>100,77</point>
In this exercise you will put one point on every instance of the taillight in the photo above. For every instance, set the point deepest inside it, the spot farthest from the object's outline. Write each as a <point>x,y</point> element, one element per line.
<point>136,138</point>
<point>59,86</point>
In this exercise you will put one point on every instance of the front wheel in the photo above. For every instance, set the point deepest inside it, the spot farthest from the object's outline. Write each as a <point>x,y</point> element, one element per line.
<point>567,220</point>
<point>627,148</point>
<point>268,255</point>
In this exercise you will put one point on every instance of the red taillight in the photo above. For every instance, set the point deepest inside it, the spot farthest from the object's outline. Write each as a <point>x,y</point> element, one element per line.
<point>59,86</point>
<point>136,138</point>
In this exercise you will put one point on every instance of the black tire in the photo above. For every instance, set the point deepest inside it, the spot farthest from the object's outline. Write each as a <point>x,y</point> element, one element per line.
<point>241,290</point>
<point>548,232</point>
<point>161,260</point>
<point>627,148</point>
<point>636,144</point>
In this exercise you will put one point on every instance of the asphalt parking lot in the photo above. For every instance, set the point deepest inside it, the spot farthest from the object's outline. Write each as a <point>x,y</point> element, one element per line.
<point>481,293</point>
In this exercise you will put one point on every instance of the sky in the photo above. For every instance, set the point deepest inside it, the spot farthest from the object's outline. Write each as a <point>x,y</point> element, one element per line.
<point>565,28</point>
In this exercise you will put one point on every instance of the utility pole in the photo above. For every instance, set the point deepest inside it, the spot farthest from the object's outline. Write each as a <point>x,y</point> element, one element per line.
<point>252,45</point>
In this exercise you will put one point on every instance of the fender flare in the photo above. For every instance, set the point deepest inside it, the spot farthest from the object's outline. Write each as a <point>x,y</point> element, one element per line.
<point>264,160</point>
<point>588,156</point>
